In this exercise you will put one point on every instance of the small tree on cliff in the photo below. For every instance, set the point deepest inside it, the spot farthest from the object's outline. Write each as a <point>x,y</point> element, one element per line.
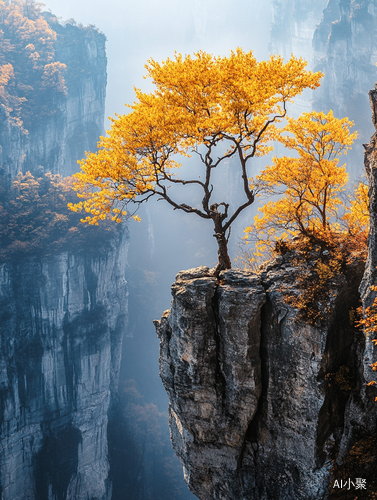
<point>199,103</point>
<point>310,184</point>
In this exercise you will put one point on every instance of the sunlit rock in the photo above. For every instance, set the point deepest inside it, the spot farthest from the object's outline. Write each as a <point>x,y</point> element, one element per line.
<point>252,414</point>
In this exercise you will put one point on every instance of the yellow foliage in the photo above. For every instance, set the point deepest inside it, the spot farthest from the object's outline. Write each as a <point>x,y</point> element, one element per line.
<point>310,184</point>
<point>357,214</point>
<point>199,101</point>
<point>6,73</point>
<point>369,319</point>
<point>35,219</point>
<point>53,76</point>
<point>12,103</point>
<point>317,274</point>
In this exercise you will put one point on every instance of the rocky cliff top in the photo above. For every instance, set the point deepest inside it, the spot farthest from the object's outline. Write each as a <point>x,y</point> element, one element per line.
<point>256,391</point>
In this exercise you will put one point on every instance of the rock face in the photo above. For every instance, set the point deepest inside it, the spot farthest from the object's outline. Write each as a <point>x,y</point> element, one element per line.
<point>370,275</point>
<point>345,49</point>
<point>292,29</point>
<point>211,368</point>
<point>76,122</point>
<point>345,45</point>
<point>61,328</point>
<point>252,415</point>
<point>293,26</point>
<point>339,39</point>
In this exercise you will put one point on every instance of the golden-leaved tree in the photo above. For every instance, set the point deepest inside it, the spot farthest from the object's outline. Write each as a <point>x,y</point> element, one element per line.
<point>310,184</point>
<point>199,104</point>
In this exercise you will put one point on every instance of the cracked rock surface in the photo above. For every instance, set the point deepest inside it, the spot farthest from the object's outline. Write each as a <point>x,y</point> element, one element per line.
<point>62,322</point>
<point>251,413</point>
<point>211,368</point>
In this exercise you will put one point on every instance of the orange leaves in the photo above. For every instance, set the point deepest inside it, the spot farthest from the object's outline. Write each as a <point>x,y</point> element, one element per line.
<point>230,95</point>
<point>369,320</point>
<point>357,214</point>
<point>199,101</point>
<point>35,219</point>
<point>319,136</point>
<point>53,76</point>
<point>6,73</point>
<point>25,26</point>
<point>310,184</point>
<point>12,103</point>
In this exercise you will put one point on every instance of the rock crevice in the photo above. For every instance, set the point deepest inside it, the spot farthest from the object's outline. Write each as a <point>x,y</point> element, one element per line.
<point>268,426</point>
<point>62,323</point>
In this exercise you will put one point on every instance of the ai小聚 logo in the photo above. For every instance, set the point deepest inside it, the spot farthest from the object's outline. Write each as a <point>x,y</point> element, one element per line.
<point>359,484</point>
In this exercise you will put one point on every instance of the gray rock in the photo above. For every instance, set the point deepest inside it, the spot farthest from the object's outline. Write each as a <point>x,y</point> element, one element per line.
<point>345,48</point>
<point>369,356</point>
<point>61,329</point>
<point>251,413</point>
<point>210,367</point>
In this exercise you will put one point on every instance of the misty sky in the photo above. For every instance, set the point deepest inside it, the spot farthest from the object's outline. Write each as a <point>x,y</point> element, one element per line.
<point>142,29</point>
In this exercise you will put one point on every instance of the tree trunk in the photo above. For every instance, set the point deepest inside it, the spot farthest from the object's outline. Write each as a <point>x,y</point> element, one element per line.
<point>222,252</point>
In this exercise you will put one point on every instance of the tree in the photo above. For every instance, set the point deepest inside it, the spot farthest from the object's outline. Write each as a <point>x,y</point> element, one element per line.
<point>30,78</point>
<point>200,103</point>
<point>310,184</point>
<point>357,213</point>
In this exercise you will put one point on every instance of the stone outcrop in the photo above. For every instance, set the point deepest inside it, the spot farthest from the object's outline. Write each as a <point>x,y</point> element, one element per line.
<point>61,329</point>
<point>370,275</point>
<point>76,119</point>
<point>252,414</point>
<point>263,404</point>
<point>211,368</point>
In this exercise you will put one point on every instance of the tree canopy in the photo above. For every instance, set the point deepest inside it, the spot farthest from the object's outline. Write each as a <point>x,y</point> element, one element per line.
<point>310,184</point>
<point>199,103</point>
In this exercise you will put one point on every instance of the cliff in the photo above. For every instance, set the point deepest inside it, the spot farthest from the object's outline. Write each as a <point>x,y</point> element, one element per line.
<point>370,274</point>
<point>61,328</point>
<point>63,293</point>
<point>345,49</point>
<point>265,402</point>
<point>345,46</point>
<point>293,25</point>
<point>246,379</point>
<point>74,120</point>
<point>339,39</point>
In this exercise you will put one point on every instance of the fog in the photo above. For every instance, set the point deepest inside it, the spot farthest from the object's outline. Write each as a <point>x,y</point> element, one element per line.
<point>165,241</point>
<point>137,31</point>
